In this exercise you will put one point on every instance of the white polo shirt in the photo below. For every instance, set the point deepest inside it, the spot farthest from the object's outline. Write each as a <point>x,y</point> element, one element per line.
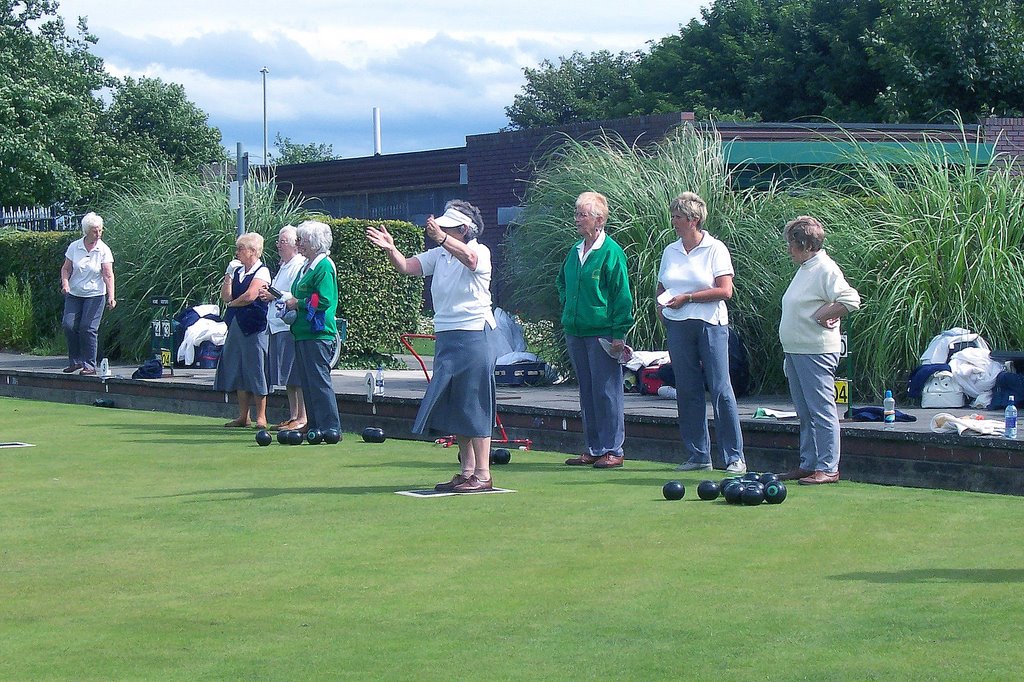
<point>283,281</point>
<point>462,297</point>
<point>86,279</point>
<point>683,273</point>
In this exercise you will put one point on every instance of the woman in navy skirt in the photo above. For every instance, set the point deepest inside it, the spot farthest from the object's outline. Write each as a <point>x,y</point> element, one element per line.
<point>242,365</point>
<point>460,398</point>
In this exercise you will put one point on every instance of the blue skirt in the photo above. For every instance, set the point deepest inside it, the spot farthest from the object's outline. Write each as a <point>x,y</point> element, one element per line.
<point>460,398</point>
<point>281,360</point>
<point>243,362</point>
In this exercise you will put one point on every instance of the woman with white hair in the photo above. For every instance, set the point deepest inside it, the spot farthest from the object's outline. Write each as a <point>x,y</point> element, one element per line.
<point>242,362</point>
<point>281,353</point>
<point>460,399</point>
<point>87,281</point>
<point>314,298</point>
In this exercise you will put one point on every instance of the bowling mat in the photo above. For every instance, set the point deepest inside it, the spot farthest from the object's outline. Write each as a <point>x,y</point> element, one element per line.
<point>433,493</point>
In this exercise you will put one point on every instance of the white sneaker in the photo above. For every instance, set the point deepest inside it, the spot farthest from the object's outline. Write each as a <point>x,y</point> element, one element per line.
<point>737,467</point>
<point>694,466</point>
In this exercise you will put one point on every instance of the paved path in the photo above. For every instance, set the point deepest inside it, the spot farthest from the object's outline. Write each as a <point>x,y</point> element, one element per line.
<point>410,383</point>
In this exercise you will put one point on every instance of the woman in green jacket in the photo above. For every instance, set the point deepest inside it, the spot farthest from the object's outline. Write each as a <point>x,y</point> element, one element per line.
<point>597,307</point>
<point>315,302</point>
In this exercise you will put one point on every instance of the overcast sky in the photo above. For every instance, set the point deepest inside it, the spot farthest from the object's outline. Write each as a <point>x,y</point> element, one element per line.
<point>438,70</point>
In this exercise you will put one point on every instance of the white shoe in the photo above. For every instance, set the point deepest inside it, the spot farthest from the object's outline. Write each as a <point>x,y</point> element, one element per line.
<point>694,466</point>
<point>737,467</point>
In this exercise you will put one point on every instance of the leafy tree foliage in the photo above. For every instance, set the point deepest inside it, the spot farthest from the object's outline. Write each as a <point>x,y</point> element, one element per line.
<point>579,88</point>
<point>157,119</point>
<point>937,55</point>
<point>296,152</point>
<point>848,60</point>
<point>59,142</point>
<point>49,148</point>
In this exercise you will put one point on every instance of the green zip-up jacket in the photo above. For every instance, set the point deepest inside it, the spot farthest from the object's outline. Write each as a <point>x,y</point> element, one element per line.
<point>319,286</point>
<point>595,295</point>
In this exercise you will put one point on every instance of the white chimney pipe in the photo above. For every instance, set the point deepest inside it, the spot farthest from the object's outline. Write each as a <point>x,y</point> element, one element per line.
<point>376,131</point>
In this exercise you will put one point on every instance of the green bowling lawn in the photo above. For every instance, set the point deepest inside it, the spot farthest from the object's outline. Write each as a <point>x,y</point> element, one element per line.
<point>137,545</point>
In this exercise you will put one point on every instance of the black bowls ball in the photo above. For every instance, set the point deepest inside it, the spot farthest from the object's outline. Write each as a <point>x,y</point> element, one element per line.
<point>673,490</point>
<point>314,437</point>
<point>733,492</point>
<point>752,495</point>
<point>707,490</point>
<point>765,479</point>
<point>282,437</point>
<point>775,492</point>
<point>501,456</point>
<point>372,434</point>
<point>295,437</point>
<point>750,476</point>
<point>263,438</point>
<point>332,436</point>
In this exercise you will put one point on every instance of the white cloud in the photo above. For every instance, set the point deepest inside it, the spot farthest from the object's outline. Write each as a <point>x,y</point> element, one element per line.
<point>439,70</point>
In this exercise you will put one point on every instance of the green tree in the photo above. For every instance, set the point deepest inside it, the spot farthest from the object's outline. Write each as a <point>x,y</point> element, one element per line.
<point>160,125</point>
<point>296,152</point>
<point>776,59</point>
<point>50,149</point>
<point>59,143</point>
<point>579,88</point>
<point>941,55</point>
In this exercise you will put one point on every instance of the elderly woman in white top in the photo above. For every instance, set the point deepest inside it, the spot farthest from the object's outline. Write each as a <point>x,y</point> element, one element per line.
<point>809,330</point>
<point>694,282</point>
<point>460,398</point>
<point>87,281</point>
<point>281,351</point>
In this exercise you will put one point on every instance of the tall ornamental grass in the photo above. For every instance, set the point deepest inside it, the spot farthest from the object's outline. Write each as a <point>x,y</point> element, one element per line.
<point>174,236</point>
<point>931,241</point>
<point>17,326</point>
<point>929,236</point>
<point>640,184</point>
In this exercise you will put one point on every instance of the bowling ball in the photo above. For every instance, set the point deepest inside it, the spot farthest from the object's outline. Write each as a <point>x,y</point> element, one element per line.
<point>295,438</point>
<point>282,437</point>
<point>673,490</point>
<point>707,490</point>
<point>775,492</point>
<point>314,437</point>
<point>765,479</point>
<point>733,491</point>
<point>753,494</point>
<point>372,434</point>
<point>264,438</point>
<point>501,456</point>
<point>332,436</point>
<point>750,476</point>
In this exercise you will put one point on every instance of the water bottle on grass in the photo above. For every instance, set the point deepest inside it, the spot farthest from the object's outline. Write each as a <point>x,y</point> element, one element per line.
<point>1010,420</point>
<point>889,411</point>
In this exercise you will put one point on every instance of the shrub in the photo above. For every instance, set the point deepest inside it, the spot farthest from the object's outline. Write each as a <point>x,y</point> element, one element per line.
<point>378,302</point>
<point>35,259</point>
<point>17,327</point>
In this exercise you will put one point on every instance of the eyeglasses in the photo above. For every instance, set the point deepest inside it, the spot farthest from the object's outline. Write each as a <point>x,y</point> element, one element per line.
<point>585,215</point>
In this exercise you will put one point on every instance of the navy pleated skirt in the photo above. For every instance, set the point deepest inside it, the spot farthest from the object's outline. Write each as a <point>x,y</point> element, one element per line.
<point>460,397</point>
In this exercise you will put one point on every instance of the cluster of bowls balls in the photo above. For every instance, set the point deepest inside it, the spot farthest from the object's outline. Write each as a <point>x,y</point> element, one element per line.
<point>315,437</point>
<point>750,489</point>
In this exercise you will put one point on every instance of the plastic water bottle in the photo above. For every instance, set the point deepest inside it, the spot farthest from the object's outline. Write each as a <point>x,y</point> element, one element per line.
<point>1010,420</point>
<point>379,388</point>
<point>889,411</point>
